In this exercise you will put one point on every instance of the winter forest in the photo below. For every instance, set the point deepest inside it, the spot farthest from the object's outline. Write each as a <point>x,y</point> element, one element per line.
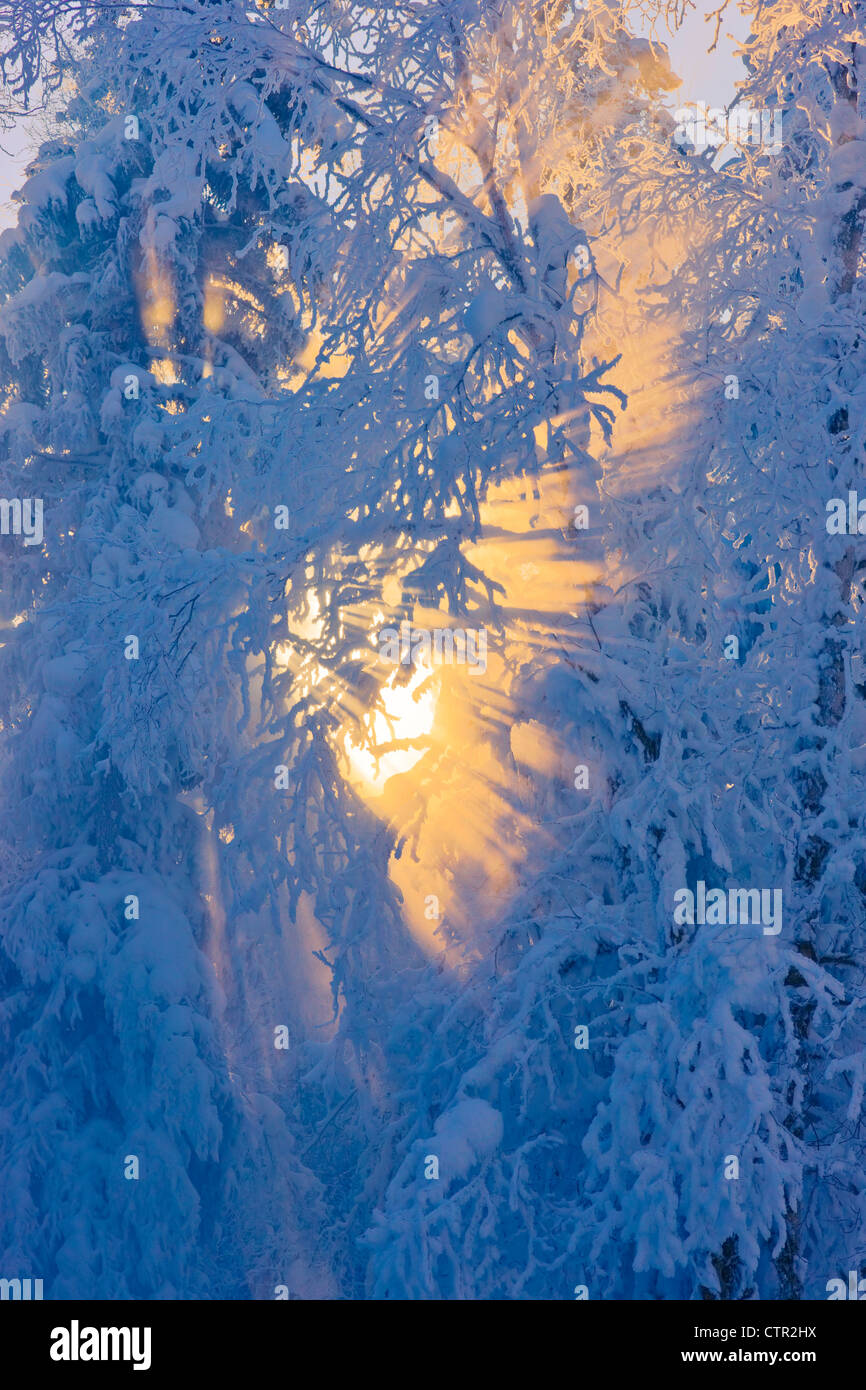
<point>432,677</point>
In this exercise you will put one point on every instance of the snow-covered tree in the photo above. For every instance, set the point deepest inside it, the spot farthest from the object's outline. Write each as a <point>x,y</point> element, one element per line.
<point>319,319</point>
<point>763,263</point>
<point>229,291</point>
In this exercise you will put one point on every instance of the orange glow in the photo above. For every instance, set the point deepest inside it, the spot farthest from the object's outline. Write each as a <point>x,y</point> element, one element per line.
<point>407,713</point>
<point>214,307</point>
<point>157,302</point>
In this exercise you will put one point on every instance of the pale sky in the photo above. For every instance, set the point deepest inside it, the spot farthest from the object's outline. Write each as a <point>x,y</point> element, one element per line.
<point>14,153</point>
<point>705,77</point>
<point>708,77</point>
